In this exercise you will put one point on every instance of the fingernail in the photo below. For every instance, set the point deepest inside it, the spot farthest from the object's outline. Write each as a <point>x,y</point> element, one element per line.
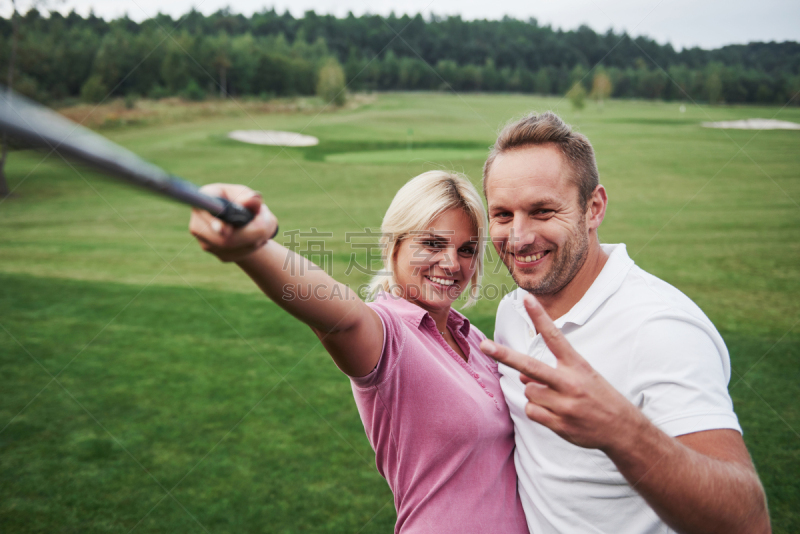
<point>489,347</point>
<point>216,225</point>
<point>529,300</point>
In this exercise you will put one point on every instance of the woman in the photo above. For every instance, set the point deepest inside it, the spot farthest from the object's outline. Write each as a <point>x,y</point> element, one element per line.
<point>429,399</point>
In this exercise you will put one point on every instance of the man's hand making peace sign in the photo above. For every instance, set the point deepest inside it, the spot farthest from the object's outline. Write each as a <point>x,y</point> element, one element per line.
<point>572,400</point>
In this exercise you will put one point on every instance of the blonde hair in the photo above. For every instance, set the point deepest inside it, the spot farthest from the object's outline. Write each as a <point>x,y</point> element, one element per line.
<point>415,206</point>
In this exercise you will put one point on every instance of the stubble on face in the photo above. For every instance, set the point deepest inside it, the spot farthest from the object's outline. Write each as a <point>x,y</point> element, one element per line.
<point>566,261</point>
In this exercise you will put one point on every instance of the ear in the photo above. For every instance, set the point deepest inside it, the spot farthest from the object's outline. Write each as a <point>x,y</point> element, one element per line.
<point>596,208</point>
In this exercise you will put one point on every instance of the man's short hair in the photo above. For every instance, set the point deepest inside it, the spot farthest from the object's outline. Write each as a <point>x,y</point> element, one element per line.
<point>549,128</point>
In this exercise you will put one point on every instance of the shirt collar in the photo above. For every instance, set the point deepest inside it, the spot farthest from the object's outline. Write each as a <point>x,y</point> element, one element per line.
<point>415,315</point>
<point>606,284</point>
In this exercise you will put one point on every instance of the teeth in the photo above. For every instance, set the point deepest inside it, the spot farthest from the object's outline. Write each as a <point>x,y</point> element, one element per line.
<point>535,257</point>
<point>442,281</point>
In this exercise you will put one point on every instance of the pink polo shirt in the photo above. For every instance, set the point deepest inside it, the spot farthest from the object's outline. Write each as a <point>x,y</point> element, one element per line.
<point>441,431</point>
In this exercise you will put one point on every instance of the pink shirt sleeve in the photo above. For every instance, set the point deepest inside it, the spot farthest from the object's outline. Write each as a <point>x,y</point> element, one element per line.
<point>394,339</point>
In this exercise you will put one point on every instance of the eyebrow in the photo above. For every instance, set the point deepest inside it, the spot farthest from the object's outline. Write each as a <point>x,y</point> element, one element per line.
<point>535,205</point>
<point>440,239</point>
<point>432,236</point>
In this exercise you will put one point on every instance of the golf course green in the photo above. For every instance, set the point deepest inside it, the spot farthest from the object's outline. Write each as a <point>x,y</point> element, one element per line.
<point>147,387</point>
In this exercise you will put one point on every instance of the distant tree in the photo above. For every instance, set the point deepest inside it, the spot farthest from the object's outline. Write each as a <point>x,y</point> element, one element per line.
<point>793,91</point>
<point>577,96</point>
<point>114,60</point>
<point>413,73</point>
<point>491,79</point>
<point>601,87</point>
<point>735,81</point>
<point>527,80</point>
<point>12,65</point>
<point>651,83</point>
<point>303,77</point>
<point>450,73</point>
<point>272,74</point>
<point>714,88</point>
<point>354,68</point>
<point>193,92</point>
<point>579,74</point>
<point>94,90</point>
<point>222,62</point>
<point>543,84</point>
<point>471,77</point>
<point>764,94</point>
<point>174,69</point>
<point>245,52</point>
<point>679,85</point>
<point>390,71</point>
<point>331,84</point>
<point>4,190</point>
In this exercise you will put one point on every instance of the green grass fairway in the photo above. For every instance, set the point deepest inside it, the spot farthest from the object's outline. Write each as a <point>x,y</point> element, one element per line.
<point>146,387</point>
<point>424,155</point>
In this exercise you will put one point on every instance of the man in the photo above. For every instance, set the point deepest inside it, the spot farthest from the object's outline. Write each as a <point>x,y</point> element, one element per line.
<point>622,416</point>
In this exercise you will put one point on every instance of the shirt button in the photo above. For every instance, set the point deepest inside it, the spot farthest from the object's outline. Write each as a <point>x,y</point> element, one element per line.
<point>476,375</point>
<point>531,332</point>
<point>491,395</point>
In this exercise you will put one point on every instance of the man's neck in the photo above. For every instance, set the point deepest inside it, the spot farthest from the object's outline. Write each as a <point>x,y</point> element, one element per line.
<point>560,303</point>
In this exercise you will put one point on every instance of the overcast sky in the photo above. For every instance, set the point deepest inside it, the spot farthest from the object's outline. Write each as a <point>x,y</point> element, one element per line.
<point>684,23</point>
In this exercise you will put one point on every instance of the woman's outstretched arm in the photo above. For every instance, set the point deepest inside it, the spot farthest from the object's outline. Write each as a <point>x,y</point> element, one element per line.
<point>350,331</point>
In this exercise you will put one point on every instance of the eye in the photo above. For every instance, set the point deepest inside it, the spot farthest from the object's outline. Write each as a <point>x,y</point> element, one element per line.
<point>543,212</point>
<point>467,251</point>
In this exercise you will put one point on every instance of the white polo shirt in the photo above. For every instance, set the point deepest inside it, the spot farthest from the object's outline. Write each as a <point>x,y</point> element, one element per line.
<point>656,347</point>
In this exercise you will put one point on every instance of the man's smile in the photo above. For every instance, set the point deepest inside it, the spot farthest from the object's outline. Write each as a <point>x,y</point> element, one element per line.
<point>529,260</point>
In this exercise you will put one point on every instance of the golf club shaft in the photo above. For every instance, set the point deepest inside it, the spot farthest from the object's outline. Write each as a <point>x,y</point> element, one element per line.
<point>41,127</point>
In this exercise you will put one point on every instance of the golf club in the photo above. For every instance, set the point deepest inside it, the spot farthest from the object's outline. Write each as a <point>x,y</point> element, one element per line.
<point>41,127</point>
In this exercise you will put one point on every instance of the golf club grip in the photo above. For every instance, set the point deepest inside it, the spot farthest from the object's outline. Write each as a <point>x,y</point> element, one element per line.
<point>234,214</point>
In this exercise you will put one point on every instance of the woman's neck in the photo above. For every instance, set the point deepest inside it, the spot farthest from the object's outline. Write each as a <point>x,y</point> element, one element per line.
<point>439,317</point>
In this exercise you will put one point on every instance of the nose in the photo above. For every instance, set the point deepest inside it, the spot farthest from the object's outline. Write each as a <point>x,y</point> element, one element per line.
<point>448,260</point>
<point>522,235</point>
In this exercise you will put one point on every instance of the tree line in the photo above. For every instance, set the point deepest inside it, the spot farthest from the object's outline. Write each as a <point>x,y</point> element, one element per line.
<point>270,54</point>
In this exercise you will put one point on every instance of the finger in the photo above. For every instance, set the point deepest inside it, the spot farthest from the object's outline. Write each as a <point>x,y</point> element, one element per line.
<point>214,190</point>
<point>526,365</point>
<point>252,203</point>
<point>261,228</point>
<point>233,192</point>
<point>224,239</point>
<point>239,194</point>
<point>528,380</point>
<point>541,415</point>
<point>544,396</point>
<point>212,230</point>
<point>551,334</point>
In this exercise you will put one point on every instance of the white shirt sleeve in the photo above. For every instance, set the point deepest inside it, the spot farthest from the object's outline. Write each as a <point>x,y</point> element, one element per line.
<point>679,373</point>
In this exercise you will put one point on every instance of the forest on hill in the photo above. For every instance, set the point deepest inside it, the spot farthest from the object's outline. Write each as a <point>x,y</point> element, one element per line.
<point>268,54</point>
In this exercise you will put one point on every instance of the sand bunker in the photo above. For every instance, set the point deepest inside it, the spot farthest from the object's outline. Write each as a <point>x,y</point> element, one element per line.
<point>273,138</point>
<point>754,124</point>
